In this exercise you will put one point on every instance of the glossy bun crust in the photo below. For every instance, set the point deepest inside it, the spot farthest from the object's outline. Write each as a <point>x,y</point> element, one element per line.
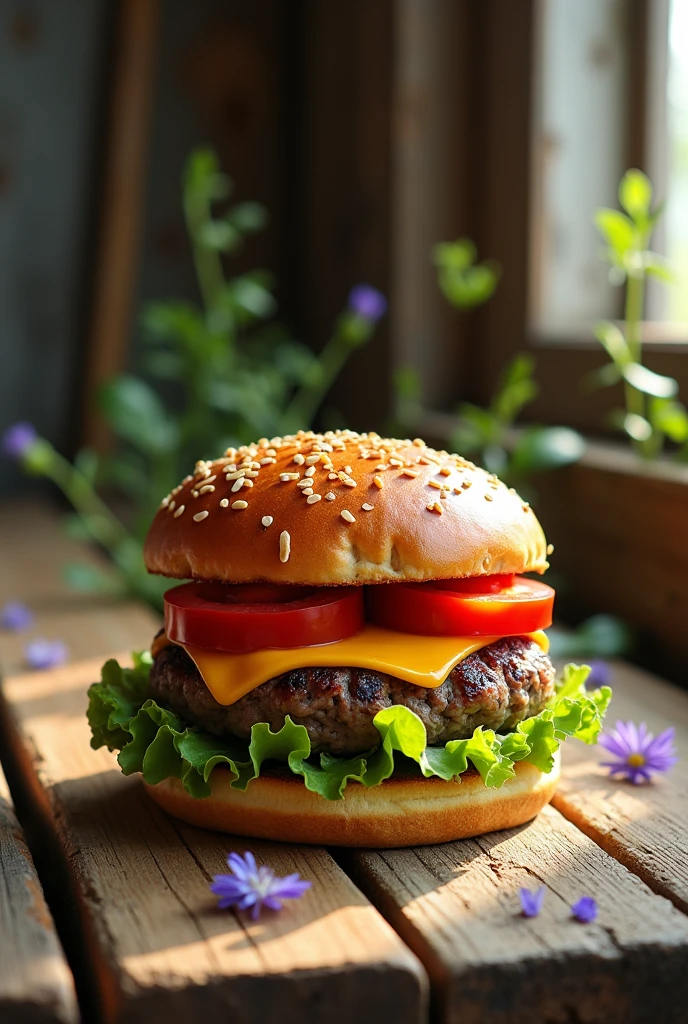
<point>403,811</point>
<point>342,508</point>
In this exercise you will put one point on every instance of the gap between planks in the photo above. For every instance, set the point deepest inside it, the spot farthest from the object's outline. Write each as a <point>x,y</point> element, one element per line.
<point>36,985</point>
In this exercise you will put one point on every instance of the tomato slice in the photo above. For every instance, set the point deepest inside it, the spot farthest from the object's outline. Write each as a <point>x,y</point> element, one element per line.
<point>481,606</point>
<point>251,617</point>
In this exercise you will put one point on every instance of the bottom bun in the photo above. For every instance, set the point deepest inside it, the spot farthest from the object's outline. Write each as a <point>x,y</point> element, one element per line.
<point>403,811</point>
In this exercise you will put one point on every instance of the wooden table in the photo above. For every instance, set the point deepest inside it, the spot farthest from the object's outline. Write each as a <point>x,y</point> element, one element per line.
<point>428,933</point>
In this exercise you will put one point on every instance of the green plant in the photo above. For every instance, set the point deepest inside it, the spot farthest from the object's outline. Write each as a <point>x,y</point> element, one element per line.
<point>214,374</point>
<point>652,412</point>
<point>488,434</point>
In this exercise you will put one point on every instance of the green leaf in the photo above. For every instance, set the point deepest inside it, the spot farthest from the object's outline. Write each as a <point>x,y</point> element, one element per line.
<point>137,415</point>
<point>516,388</point>
<point>202,178</point>
<point>613,342</point>
<point>458,255</point>
<point>539,449</point>
<point>600,636</point>
<point>671,418</point>
<point>90,580</point>
<point>219,235</point>
<point>177,321</point>
<point>248,217</point>
<point>637,427</point>
<point>617,230</point>
<point>659,267</point>
<point>604,377</point>
<point>635,194</point>
<point>87,462</point>
<point>157,743</point>
<point>649,382</point>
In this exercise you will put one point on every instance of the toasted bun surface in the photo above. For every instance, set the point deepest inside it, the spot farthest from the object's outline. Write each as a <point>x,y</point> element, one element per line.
<point>409,811</point>
<point>433,516</point>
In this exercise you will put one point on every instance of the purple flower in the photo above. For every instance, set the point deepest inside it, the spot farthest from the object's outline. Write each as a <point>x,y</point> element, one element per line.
<point>531,902</point>
<point>253,886</point>
<point>600,674</point>
<point>41,653</point>
<point>18,438</point>
<point>638,752</point>
<point>367,302</point>
<point>584,909</point>
<point>16,616</point>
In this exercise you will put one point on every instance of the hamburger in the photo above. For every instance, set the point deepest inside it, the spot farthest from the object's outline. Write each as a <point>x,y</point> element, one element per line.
<point>359,658</point>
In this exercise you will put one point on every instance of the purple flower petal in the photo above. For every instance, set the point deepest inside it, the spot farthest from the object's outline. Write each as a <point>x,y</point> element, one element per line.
<point>600,674</point>
<point>44,654</point>
<point>638,751</point>
<point>531,901</point>
<point>17,439</point>
<point>16,616</point>
<point>585,909</point>
<point>367,302</point>
<point>251,886</point>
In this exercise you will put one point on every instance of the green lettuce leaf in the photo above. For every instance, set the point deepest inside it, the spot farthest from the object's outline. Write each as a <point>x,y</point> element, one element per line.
<point>157,743</point>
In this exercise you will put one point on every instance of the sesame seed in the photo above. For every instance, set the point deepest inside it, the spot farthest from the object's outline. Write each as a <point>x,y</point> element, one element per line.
<point>237,485</point>
<point>187,479</point>
<point>179,511</point>
<point>165,502</point>
<point>488,497</point>
<point>308,491</point>
<point>248,483</point>
<point>170,507</point>
<point>325,447</point>
<point>267,521</point>
<point>526,507</point>
<point>435,483</point>
<point>367,507</point>
<point>410,472</point>
<point>419,442</point>
<point>306,482</point>
<point>550,549</point>
<point>457,490</point>
<point>435,507</point>
<point>466,484</point>
<point>381,467</point>
<point>201,515</point>
<point>224,503</point>
<point>239,504</point>
<point>346,515</point>
<point>284,546</point>
<point>312,498</point>
<point>312,459</point>
<point>445,471</point>
<point>206,489</point>
<point>235,474</point>
<point>348,482</point>
<point>377,480</point>
<point>267,461</point>
<point>252,473</point>
<point>299,459</point>
<point>272,452</point>
<point>310,471</point>
<point>332,476</point>
<point>288,476</point>
<point>330,496</point>
<point>348,469</point>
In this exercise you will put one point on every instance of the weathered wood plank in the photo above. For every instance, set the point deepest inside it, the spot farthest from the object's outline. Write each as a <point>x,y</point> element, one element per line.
<point>36,985</point>
<point>153,943</point>
<point>644,827</point>
<point>456,905</point>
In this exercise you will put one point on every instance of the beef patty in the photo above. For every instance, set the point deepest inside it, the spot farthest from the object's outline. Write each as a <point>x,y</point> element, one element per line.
<point>496,687</point>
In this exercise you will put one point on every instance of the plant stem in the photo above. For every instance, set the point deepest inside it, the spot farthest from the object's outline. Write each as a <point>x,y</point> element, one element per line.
<point>307,400</point>
<point>633,316</point>
<point>207,262</point>
<point>103,526</point>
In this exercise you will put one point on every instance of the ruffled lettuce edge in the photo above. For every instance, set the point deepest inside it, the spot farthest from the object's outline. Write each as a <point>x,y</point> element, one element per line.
<point>158,744</point>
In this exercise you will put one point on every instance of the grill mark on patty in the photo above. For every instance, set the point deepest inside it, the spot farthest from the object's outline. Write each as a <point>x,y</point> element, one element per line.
<point>497,687</point>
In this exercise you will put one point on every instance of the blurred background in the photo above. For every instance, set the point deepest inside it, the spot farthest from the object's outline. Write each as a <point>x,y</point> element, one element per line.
<point>189,192</point>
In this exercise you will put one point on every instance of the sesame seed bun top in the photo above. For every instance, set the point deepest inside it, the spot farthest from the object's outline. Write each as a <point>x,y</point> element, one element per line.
<point>341,508</point>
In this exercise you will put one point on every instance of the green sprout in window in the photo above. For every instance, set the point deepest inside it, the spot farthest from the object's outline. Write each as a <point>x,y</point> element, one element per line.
<point>652,413</point>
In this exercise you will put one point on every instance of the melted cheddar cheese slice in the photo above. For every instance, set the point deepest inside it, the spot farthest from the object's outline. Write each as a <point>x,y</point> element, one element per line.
<point>422,660</point>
